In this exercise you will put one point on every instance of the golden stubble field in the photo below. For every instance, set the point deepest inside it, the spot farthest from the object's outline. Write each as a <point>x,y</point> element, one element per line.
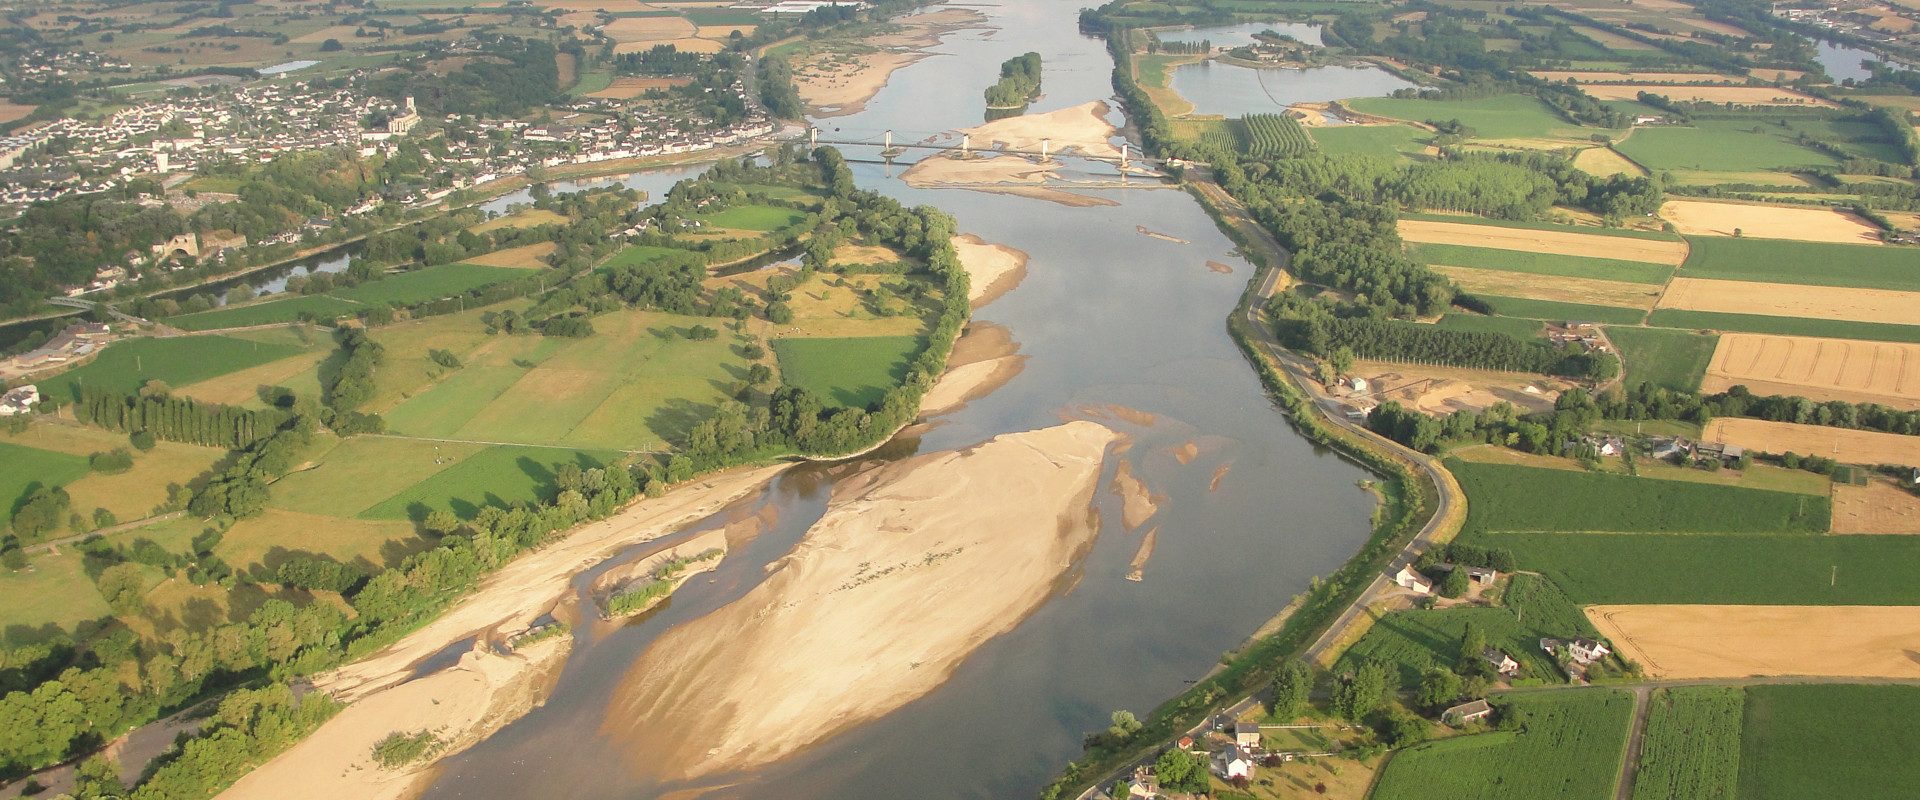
<point>1793,300</point>
<point>1701,641</point>
<point>1845,445</point>
<point>1806,224</point>
<point>1558,288</point>
<point>1876,508</point>
<point>1855,371</point>
<point>1654,251</point>
<point>1738,95</point>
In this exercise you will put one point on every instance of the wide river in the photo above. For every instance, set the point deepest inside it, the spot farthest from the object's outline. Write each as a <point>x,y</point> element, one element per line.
<point>1108,317</point>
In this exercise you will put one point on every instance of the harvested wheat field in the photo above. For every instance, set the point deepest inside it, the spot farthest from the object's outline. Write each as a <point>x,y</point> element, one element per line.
<point>1793,300</point>
<point>1679,642</point>
<point>1591,291</point>
<point>1605,161</point>
<point>649,29</point>
<point>12,111</point>
<point>1738,95</point>
<point>525,257</point>
<point>1845,445</point>
<point>1770,74</point>
<point>1876,508</point>
<point>1439,391</point>
<point>1590,77</point>
<point>1653,251</point>
<point>723,31</point>
<point>1821,369</point>
<point>1806,224</point>
<point>629,88</point>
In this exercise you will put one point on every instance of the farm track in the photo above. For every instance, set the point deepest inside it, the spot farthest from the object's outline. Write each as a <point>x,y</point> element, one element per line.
<point>1630,768</point>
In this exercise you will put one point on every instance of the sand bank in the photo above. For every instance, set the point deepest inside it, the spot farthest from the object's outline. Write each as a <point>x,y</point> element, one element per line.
<point>834,83</point>
<point>1137,569</point>
<point>992,269</point>
<point>461,704</point>
<point>614,581</point>
<point>519,593</point>
<point>984,359</point>
<point>913,566</point>
<point>1083,128</point>
<point>1137,505</point>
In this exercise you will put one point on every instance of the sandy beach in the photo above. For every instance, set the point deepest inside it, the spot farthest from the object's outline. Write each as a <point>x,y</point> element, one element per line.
<point>992,269</point>
<point>913,566</point>
<point>834,84</point>
<point>984,358</point>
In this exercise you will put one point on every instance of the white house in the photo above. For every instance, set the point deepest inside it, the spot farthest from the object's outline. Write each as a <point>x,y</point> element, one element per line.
<point>1143,785</point>
<point>1466,712</point>
<point>19,400</point>
<point>1246,735</point>
<point>1587,651</point>
<point>1409,578</point>
<point>1234,763</point>
<point>1502,663</point>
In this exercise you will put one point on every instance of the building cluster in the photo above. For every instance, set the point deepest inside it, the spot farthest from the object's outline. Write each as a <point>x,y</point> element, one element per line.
<point>75,343</point>
<point>1872,20</point>
<point>603,130</point>
<point>43,65</point>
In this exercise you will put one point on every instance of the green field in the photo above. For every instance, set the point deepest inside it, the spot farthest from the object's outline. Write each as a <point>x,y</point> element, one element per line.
<point>1786,326</point>
<point>1673,359</point>
<point>1731,569</point>
<point>1554,310</point>
<point>363,471</point>
<point>280,309</point>
<point>497,476</point>
<point>1718,150</point>
<point>1691,750</point>
<point>1506,497</point>
<point>752,218</point>
<point>178,361</point>
<point>635,255</point>
<point>429,283</point>
<point>1863,266</point>
<point>1854,742</point>
<point>1511,326</point>
<point>1386,141</point>
<point>1569,747</point>
<point>23,468</point>
<point>1507,116</point>
<point>1540,263</point>
<point>851,372</point>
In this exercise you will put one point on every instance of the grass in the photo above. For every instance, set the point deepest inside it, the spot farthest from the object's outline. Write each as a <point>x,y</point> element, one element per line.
<point>1691,749</point>
<point>1718,150</point>
<point>497,476</point>
<point>362,471</point>
<point>1738,569</point>
<point>53,593</point>
<point>24,468</point>
<point>854,372</point>
<point>430,283</point>
<point>1855,742</point>
<point>1786,326</point>
<point>1664,357</point>
<point>125,366</point>
<point>1592,230</point>
<point>590,82</point>
<point>1504,497</point>
<point>1863,266</point>
<point>263,543</point>
<point>1387,141</point>
<point>277,309</point>
<point>1510,326</point>
<point>752,218</point>
<point>1507,116</point>
<point>1554,310</point>
<point>1540,263</point>
<point>635,255</point>
<point>1569,747</point>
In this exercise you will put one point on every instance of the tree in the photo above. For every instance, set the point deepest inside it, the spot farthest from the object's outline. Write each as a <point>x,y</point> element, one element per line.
<point>332,46</point>
<point>1473,643</point>
<point>1181,771</point>
<point>124,588</point>
<point>1401,729</point>
<point>143,440</point>
<point>1291,689</point>
<point>1362,691</point>
<point>1455,584</point>
<point>1439,687</point>
<point>40,513</point>
<point>779,313</point>
<point>759,374</point>
<point>1342,359</point>
<point>1124,726</point>
<point>442,521</point>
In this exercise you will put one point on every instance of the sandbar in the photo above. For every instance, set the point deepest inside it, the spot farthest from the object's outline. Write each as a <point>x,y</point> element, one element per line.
<point>984,359</point>
<point>992,269</point>
<point>616,580</point>
<point>913,566</point>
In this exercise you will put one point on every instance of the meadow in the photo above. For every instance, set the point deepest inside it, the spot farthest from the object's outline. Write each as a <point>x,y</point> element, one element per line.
<point>1386,141</point>
<point>126,366</point>
<point>1691,749</point>
<point>276,310</point>
<point>1508,497</point>
<point>1718,150</point>
<point>1805,741</point>
<point>1556,310</point>
<point>1664,357</point>
<point>854,372</point>
<point>752,218</point>
<point>1510,326</point>
<point>1864,266</point>
<point>1507,116</point>
<point>1569,747</point>
<point>1413,641</point>
<point>1540,263</point>
<point>1713,569</point>
<point>429,283</point>
<point>1785,326</point>
<point>22,469</point>
<point>357,473</point>
<point>497,476</point>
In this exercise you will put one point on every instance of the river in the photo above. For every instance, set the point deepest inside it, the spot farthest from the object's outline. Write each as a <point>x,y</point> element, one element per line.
<point>1107,317</point>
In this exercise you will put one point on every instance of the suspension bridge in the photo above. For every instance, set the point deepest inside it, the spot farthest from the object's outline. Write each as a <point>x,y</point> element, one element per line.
<point>890,149</point>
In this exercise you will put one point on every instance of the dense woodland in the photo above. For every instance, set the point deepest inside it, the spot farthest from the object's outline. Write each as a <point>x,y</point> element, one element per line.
<point>1019,82</point>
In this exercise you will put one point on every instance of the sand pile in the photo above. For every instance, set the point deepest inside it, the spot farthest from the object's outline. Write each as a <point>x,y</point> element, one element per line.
<point>914,565</point>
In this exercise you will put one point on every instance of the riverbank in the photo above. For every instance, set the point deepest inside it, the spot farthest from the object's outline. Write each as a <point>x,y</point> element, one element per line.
<point>984,359</point>
<point>838,81</point>
<point>913,566</point>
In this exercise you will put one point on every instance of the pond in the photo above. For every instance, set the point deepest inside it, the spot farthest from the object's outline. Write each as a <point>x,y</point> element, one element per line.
<point>1239,35</point>
<point>1235,91</point>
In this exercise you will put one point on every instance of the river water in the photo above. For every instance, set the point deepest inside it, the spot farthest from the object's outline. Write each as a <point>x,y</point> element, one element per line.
<point>1108,317</point>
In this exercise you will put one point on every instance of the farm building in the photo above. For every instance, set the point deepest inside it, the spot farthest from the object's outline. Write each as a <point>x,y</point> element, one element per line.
<point>1408,578</point>
<point>19,400</point>
<point>1466,712</point>
<point>1583,651</point>
<point>1501,662</point>
<point>1485,576</point>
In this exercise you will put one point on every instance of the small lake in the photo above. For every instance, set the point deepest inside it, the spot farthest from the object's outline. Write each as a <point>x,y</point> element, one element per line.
<point>655,182</point>
<point>1843,61</point>
<point>1238,35</point>
<point>1235,91</point>
<point>282,69</point>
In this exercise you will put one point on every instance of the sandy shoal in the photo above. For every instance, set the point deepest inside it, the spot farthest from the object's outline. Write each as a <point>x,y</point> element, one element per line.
<point>1876,508</point>
<point>1806,224</point>
<point>1083,127</point>
<point>1689,641</point>
<point>1653,251</point>
<point>614,581</point>
<point>1851,370</point>
<point>1793,300</point>
<point>508,601</point>
<point>984,358</point>
<point>913,566</point>
<point>992,269</point>
<point>846,90</point>
<point>1137,504</point>
<point>461,704</point>
<point>1738,95</point>
<point>1845,445</point>
<point>1593,291</point>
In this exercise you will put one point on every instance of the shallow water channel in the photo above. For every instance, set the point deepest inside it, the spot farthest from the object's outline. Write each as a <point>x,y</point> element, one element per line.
<point>1108,317</point>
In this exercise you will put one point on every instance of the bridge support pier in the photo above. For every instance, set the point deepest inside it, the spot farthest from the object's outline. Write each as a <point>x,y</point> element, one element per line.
<point>966,145</point>
<point>1045,145</point>
<point>813,137</point>
<point>888,151</point>
<point>1123,156</point>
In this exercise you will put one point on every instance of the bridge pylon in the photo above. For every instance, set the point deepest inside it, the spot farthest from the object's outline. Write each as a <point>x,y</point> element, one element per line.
<point>1045,145</point>
<point>813,137</point>
<point>966,145</point>
<point>888,151</point>
<point>1123,156</point>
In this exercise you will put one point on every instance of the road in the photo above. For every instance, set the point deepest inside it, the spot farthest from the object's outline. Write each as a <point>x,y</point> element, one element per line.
<point>1629,769</point>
